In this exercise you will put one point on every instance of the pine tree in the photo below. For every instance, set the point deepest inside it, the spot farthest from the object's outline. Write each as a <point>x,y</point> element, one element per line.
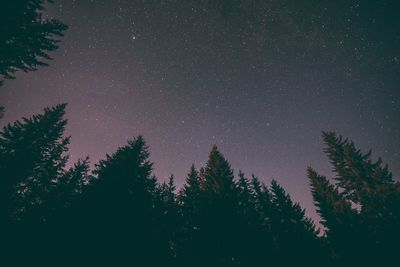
<point>295,234</point>
<point>254,236</point>
<point>190,198</point>
<point>26,36</point>
<point>219,212</point>
<point>337,216</point>
<point>117,212</point>
<point>190,201</point>
<point>168,221</point>
<point>72,184</point>
<point>32,157</point>
<point>245,200</point>
<point>361,209</point>
<point>32,165</point>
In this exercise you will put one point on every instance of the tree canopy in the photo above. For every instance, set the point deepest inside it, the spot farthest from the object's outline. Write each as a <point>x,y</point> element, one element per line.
<point>119,213</point>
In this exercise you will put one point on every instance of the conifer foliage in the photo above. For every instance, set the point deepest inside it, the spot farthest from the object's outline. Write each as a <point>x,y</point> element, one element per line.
<point>360,208</point>
<point>26,36</point>
<point>119,213</point>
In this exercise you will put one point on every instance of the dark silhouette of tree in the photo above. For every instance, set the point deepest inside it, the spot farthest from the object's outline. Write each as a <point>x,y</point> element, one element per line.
<point>294,233</point>
<point>167,212</point>
<point>72,183</point>
<point>219,214</point>
<point>32,157</point>
<point>254,232</point>
<point>119,213</point>
<point>26,36</point>
<point>35,186</point>
<point>360,210</point>
<point>190,201</point>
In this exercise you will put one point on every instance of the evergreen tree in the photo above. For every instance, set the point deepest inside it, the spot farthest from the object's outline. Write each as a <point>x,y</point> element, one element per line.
<point>337,216</point>
<point>190,198</point>
<point>294,233</point>
<point>72,183</point>
<point>35,188</point>
<point>219,212</point>
<point>32,158</point>
<point>361,209</point>
<point>117,212</point>
<point>168,220</point>
<point>254,236</point>
<point>190,201</point>
<point>26,36</point>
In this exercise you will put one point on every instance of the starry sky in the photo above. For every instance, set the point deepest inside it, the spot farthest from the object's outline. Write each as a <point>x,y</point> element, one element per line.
<point>259,78</point>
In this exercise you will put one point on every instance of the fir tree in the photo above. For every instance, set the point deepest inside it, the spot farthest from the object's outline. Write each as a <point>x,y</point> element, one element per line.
<point>219,212</point>
<point>72,183</point>
<point>190,198</point>
<point>190,201</point>
<point>361,209</point>
<point>168,221</point>
<point>33,180</point>
<point>117,213</point>
<point>337,216</point>
<point>26,36</point>
<point>32,158</point>
<point>254,236</point>
<point>294,233</point>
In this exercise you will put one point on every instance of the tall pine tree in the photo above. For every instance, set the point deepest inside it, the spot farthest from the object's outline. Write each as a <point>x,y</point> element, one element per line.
<point>360,210</point>
<point>32,158</point>
<point>26,36</point>
<point>219,212</point>
<point>190,201</point>
<point>118,211</point>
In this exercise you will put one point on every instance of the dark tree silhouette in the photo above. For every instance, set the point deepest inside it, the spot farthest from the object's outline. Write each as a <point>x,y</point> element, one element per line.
<point>219,215</point>
<point>254,210</point>
<point>294,233</point>
<point>32,157</point>
<point>121,215</point>
<point>188,239</point>
<point>26,36</point>
<point>35,187</point>
<point>361,209</point>
<point>168,222</point>
<point>119,212</point>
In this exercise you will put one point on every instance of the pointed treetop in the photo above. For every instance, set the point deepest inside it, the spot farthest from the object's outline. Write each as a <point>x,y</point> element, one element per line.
<point>218,175</point>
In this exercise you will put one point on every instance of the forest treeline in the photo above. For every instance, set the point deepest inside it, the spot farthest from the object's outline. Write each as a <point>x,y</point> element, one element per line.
<point>119,213</point>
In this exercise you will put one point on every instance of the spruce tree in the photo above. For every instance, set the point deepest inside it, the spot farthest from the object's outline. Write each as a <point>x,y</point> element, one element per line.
<point>32,181</point>
<point>360,209</point>
<point>190,201</point>
<point>32,158</point>
<point>219,212</point>
<point>294,233</point>
<point>167,221</point>
<point>26,36</point>
<point>117,212</point>
<point>253,233</point>
<point>72,184</point>
<point>190,198</point>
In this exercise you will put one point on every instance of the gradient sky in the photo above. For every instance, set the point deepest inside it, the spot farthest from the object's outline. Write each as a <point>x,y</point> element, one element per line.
<point>261,79</point>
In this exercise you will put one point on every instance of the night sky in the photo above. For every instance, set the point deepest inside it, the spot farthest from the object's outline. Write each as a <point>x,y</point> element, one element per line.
<point>260,79</point>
